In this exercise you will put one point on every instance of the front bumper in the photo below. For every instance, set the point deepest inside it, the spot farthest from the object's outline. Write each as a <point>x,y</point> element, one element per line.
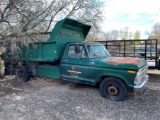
<point>141,84</point>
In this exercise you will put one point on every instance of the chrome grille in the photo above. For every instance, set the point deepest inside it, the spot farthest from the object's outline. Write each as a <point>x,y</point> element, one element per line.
<point>143,72</point>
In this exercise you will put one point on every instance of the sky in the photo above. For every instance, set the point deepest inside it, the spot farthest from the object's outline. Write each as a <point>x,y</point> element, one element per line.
<point>135,14</point>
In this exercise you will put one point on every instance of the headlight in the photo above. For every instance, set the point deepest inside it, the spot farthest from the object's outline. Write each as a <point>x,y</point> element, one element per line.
<point>136,80</point>
<point>140,74</point>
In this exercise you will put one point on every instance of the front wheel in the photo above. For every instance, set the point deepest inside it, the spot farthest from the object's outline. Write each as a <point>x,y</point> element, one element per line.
<point>113,89</point>
<point>21,74</point>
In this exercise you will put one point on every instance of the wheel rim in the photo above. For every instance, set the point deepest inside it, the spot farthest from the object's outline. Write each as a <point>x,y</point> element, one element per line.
<point>112,90</point>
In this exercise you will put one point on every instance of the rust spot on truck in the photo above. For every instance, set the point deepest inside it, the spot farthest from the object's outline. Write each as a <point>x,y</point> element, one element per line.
<point>121,60</point>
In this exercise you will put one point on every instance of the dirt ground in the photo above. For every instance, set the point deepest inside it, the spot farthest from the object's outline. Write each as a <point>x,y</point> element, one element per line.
<point>144,104</point>
<point>9,84</point>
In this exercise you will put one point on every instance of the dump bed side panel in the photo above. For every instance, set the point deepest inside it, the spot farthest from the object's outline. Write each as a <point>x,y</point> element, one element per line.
<point>44,51</point>
<point>49,52</point>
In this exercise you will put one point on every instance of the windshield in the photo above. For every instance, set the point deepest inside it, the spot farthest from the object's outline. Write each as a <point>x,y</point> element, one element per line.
<point>97,51</point>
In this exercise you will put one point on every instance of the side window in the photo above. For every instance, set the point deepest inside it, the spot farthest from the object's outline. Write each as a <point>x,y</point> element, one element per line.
<point>83,53</point>
<point>71,52</point>
<point>91,51</point>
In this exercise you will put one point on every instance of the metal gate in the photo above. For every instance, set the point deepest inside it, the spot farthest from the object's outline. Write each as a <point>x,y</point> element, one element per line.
<point>144,48</point>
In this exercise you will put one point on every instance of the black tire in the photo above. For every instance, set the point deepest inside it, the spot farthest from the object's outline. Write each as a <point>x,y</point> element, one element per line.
<point>113,89</point>
<point>21,74</point>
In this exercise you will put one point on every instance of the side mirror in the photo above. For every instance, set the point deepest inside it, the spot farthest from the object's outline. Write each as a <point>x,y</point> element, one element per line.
<point>77,49</point>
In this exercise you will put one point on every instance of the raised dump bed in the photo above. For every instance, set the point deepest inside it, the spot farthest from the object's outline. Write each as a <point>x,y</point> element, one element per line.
<point>66,30</point>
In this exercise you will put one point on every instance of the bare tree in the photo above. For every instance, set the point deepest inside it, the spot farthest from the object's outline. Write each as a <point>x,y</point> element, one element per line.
<point>29,20</point>
<point>111,35</point>
<point>155,28</point>
<point>155,33</point>
<point>124,33</point>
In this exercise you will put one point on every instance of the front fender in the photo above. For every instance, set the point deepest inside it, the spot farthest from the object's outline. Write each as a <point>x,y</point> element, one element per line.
<point>127,78</point>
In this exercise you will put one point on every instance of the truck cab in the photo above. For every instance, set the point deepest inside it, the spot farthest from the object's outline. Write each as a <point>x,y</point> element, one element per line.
<point>79,59</point>
<point>91,63</point>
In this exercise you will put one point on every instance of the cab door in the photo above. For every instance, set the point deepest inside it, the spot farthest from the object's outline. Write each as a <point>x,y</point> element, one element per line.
<point>74,66</point>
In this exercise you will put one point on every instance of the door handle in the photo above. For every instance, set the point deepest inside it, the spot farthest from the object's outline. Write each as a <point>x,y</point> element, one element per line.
<point>92,63</point>
<point>65,60</point>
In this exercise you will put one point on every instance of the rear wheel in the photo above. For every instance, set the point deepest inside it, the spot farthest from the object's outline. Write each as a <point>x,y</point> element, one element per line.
<point>113,89</point>
<point>21,74</point>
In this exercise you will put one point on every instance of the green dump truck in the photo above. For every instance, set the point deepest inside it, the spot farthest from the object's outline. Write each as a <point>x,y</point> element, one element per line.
<point>66,56</point>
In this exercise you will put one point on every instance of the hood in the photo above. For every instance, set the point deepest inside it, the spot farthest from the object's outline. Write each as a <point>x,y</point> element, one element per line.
<point>122,62</point>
